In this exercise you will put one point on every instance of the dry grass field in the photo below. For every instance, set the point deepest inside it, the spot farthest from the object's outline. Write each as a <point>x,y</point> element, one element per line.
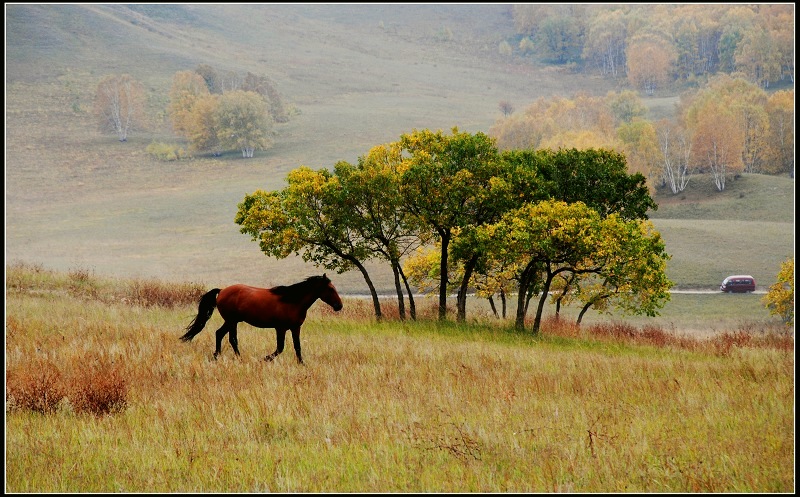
<point>103,397</point>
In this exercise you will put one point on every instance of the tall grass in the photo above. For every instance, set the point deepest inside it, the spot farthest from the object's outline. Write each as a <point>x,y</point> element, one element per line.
<point>388,407</point>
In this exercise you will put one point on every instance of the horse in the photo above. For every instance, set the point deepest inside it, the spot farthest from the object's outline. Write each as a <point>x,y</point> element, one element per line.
<point>281,307</point>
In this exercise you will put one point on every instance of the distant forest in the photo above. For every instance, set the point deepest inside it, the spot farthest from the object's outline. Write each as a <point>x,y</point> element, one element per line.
<point>661,45</point>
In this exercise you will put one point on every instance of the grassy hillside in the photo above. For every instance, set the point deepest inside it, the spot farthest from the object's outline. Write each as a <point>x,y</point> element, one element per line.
<point>356,76</point>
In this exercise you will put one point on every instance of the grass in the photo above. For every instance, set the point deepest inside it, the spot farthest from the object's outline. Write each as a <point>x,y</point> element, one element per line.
<point>384,407</point>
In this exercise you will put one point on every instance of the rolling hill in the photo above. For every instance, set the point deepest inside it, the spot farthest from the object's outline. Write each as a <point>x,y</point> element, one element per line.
<point>354,76</point>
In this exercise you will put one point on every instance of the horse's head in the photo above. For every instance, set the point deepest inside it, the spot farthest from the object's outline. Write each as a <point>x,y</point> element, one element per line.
<point>329,295</point>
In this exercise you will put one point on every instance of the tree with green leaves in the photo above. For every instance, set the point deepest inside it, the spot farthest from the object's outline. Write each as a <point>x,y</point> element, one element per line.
<point>243,122</point>
<point>546,239</point>
<point>371,190</point>
<point>632,277</point>
<point>450,184</point>
<point>309,217</point>
<point>597,178</point>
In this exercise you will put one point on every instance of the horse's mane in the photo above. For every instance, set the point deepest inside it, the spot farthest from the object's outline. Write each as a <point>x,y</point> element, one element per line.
<point>295,292</point>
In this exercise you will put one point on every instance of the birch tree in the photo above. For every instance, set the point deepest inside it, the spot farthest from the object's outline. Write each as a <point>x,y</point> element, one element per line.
<point>119,104</point>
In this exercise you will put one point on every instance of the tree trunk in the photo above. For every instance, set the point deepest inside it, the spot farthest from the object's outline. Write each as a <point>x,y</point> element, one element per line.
<point>519,323</point>
<point>583,311</point>
<point>412,308</point>
<point>443,278</point>
<point>542,299</point>
<point>494,309</point>
<point>461,303</point>
<point>375,301</point>
<point>589,305</point>
<point>401,304</point>
<point>525,280</point>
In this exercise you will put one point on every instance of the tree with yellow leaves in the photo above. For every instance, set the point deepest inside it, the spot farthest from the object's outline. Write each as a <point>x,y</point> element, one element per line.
<point>119,104</point>
<point>780,297</point>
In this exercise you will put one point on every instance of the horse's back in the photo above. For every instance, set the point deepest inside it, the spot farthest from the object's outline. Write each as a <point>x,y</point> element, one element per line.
<point>256,306</point>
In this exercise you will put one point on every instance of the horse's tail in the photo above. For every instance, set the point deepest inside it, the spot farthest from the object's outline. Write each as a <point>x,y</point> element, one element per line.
<point>205,309</point>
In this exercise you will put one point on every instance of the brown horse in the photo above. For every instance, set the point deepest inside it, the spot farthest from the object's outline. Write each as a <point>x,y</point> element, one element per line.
<point>282,307</point>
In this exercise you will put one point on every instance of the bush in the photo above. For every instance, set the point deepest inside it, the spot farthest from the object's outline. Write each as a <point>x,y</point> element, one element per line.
<point>35,387</point>
<point>166,152</point>
<point>95,385</point>
<point>99,387</point>
<point>152,292</point>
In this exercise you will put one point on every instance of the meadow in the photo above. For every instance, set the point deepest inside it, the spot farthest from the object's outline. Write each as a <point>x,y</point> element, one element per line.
<point>103,397</point>
<point>107,250</point>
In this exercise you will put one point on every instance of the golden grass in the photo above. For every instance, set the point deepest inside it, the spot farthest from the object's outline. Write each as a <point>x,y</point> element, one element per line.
<point>386,407</point>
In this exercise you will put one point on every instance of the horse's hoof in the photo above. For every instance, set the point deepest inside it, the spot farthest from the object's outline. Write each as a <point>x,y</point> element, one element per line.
<point>269,358</point>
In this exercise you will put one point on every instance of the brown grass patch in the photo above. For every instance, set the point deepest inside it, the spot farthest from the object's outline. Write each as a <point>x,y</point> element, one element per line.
<point>92,384</point>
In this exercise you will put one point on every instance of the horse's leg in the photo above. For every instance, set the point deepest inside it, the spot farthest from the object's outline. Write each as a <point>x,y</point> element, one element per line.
<point>281,337</point>
<point>233,338</point>
<point>221,332</point>
<point>296,342</point>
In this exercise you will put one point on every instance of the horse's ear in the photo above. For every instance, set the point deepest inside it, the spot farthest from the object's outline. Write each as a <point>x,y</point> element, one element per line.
<point>325,275</point>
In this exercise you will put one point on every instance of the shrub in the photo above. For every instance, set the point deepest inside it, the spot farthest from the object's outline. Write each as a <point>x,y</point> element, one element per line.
<point>166,152</point>
<point>35,386</point>
<point>82,283</point>
<point>152,292</point>
<point>98,387</point>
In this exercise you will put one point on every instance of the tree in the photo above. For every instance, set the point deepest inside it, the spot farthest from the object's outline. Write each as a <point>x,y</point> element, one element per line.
<point>757,57</point>
<point>779,19</point>
<point>449,183</point>
<point>558,39</point>
<point>265,88</point>
<point>736,21</point>
<point>675,153</point>
<point>596,178</point>
<point>506,108</point>
<point>187,88</point>
<point>631,277</point>
<point>604,42</point>
<point>119,104</point>
<point>559,122</point>
<point>201,125</point>
<point>243,122</point>
<point>211,77</point>
<point>309,217</point>
<point>544,240</point>
<point>780,297</point>
<point>640,145</point>
<point>626,106</point>
<point>371,193</point>
<point>779,153</point>
<point>718,143</point>
<point>650,62</point>
<point>725,125</point>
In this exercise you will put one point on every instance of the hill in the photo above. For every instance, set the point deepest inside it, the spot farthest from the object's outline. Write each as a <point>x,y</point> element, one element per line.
<point>354,75</point>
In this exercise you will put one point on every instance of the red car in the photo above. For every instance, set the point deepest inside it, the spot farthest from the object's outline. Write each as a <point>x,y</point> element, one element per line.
<point>738,283</point>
